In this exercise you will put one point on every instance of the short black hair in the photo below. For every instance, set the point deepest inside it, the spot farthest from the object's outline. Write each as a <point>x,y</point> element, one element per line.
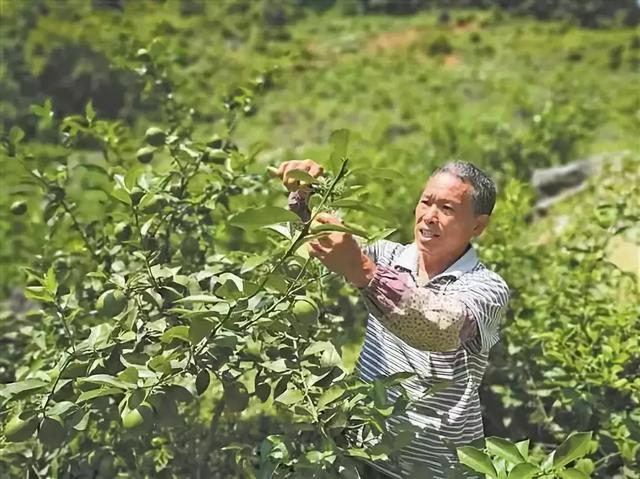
<point>483,196</point>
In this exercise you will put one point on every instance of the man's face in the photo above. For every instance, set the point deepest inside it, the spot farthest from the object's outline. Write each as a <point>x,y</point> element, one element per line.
<point>445,221</point>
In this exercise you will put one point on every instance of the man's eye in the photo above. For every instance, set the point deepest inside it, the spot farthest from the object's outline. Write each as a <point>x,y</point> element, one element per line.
<point>448,207</point>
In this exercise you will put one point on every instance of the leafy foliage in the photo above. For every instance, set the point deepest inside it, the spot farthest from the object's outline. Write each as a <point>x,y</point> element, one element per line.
<point>161,316</point>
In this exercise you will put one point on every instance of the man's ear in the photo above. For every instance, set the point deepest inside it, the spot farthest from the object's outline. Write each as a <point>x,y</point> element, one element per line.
<point>481,223</point>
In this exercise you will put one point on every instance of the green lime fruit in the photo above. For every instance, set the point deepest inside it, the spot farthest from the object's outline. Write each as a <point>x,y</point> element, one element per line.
<point>305,310</point>
<point>136,417</point>
<point>189,246</point>
<point>217,157</point>
<point>145,154</point>
<point>143,55</point>
<point>122,231</point>
<point>154,205</point>
<point>18,430</point>
<point>149,243</point>
<point>132,418</point>
<point>154,136</point>
<point>111,303</point>
<point>136,196</point>
<point>292,269</point>
<point>19,208</point>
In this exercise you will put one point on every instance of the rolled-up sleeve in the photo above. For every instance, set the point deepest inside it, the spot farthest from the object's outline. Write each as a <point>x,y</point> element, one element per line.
<point>431,320</point>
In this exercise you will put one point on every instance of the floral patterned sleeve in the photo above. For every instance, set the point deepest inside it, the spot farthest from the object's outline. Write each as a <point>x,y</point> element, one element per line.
<point>422,318</point>
<point>297,202</point>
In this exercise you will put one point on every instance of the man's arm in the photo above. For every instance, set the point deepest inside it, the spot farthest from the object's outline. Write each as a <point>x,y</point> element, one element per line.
<point>431,321</point>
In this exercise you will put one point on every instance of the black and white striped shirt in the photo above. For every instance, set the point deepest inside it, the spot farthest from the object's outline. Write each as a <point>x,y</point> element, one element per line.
<point>451,417</point>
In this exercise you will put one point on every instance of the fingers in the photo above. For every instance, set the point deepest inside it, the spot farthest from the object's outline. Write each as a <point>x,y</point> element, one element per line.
<point>326,242</point>
<point>327,218</point>
<point>316,250</point>
<point>309,166</point>
<point>315,169</point>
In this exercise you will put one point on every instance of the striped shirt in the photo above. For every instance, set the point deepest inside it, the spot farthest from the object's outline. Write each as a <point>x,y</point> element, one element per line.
<point>451,416</point>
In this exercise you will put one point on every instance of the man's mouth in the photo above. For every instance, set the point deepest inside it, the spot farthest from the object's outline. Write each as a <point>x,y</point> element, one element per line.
<point>426,234</point>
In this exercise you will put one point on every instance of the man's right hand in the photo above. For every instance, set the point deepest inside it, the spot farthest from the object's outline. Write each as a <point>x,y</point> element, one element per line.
<point>308,166</point>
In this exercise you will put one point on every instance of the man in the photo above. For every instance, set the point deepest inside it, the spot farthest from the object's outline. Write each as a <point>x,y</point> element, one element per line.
<point>434,310</point>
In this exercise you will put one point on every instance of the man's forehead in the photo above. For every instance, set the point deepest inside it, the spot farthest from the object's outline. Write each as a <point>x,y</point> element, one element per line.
<point>446,184</point>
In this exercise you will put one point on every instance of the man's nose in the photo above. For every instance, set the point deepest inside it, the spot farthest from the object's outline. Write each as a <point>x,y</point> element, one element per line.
<point>430,214</point>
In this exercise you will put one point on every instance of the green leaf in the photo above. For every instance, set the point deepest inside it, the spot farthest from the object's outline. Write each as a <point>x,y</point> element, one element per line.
<point>129,375</point>
<point>43,111</point>
<point>52,432</point>
<point>523,470</point>
<point>397,378</point>
<point>585,465</point>
<point>385,214</point>
<point>236,397</point>
<point>572,474</point>
<point>290,396</point>
<point>316,348</point>
<point>203,379</point>
<point>505,449</point>
<point>30,386</point>
<point>98,337</point>
<point>176,332</point>
<point>339,140</point>
<point>222,308</point>
<point>234,287</point>
<point>60,408</point>
<point>574,447</point>
<point>523,447</point>
<point>199,329</point>
<point>343,228</point>
<point>79,421</point>
<point>121,195</point>
<point>267,469</point>
<point>329,357</point>
<point>379,394</point>
<point>179,393</point>
<point>160,364</point>
<point>96,393</point>
<point>106,380</point>
<point>277,366</point>
<point>201,298</point>
<point>89,112</point>
<point>16,135</point>
<point>253,262</point>
<point>263,390</point>
<point>131,178</point>
<point>50,282</point>
<point>264,216</point>
<point>301,175</point>
<point>477,460</point>
<point>19,428</point>
<point>330,395</point>
<point>135,398</point>
<point>38,293</point>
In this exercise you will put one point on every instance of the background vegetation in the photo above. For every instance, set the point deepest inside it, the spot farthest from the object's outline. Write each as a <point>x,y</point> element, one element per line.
<point>149,323</point>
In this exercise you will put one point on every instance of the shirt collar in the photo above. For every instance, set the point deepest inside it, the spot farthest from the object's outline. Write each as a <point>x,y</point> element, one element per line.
<point>408,259</point>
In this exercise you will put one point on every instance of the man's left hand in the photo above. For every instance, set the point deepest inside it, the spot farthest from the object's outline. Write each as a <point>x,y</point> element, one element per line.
<point>340,253</point>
